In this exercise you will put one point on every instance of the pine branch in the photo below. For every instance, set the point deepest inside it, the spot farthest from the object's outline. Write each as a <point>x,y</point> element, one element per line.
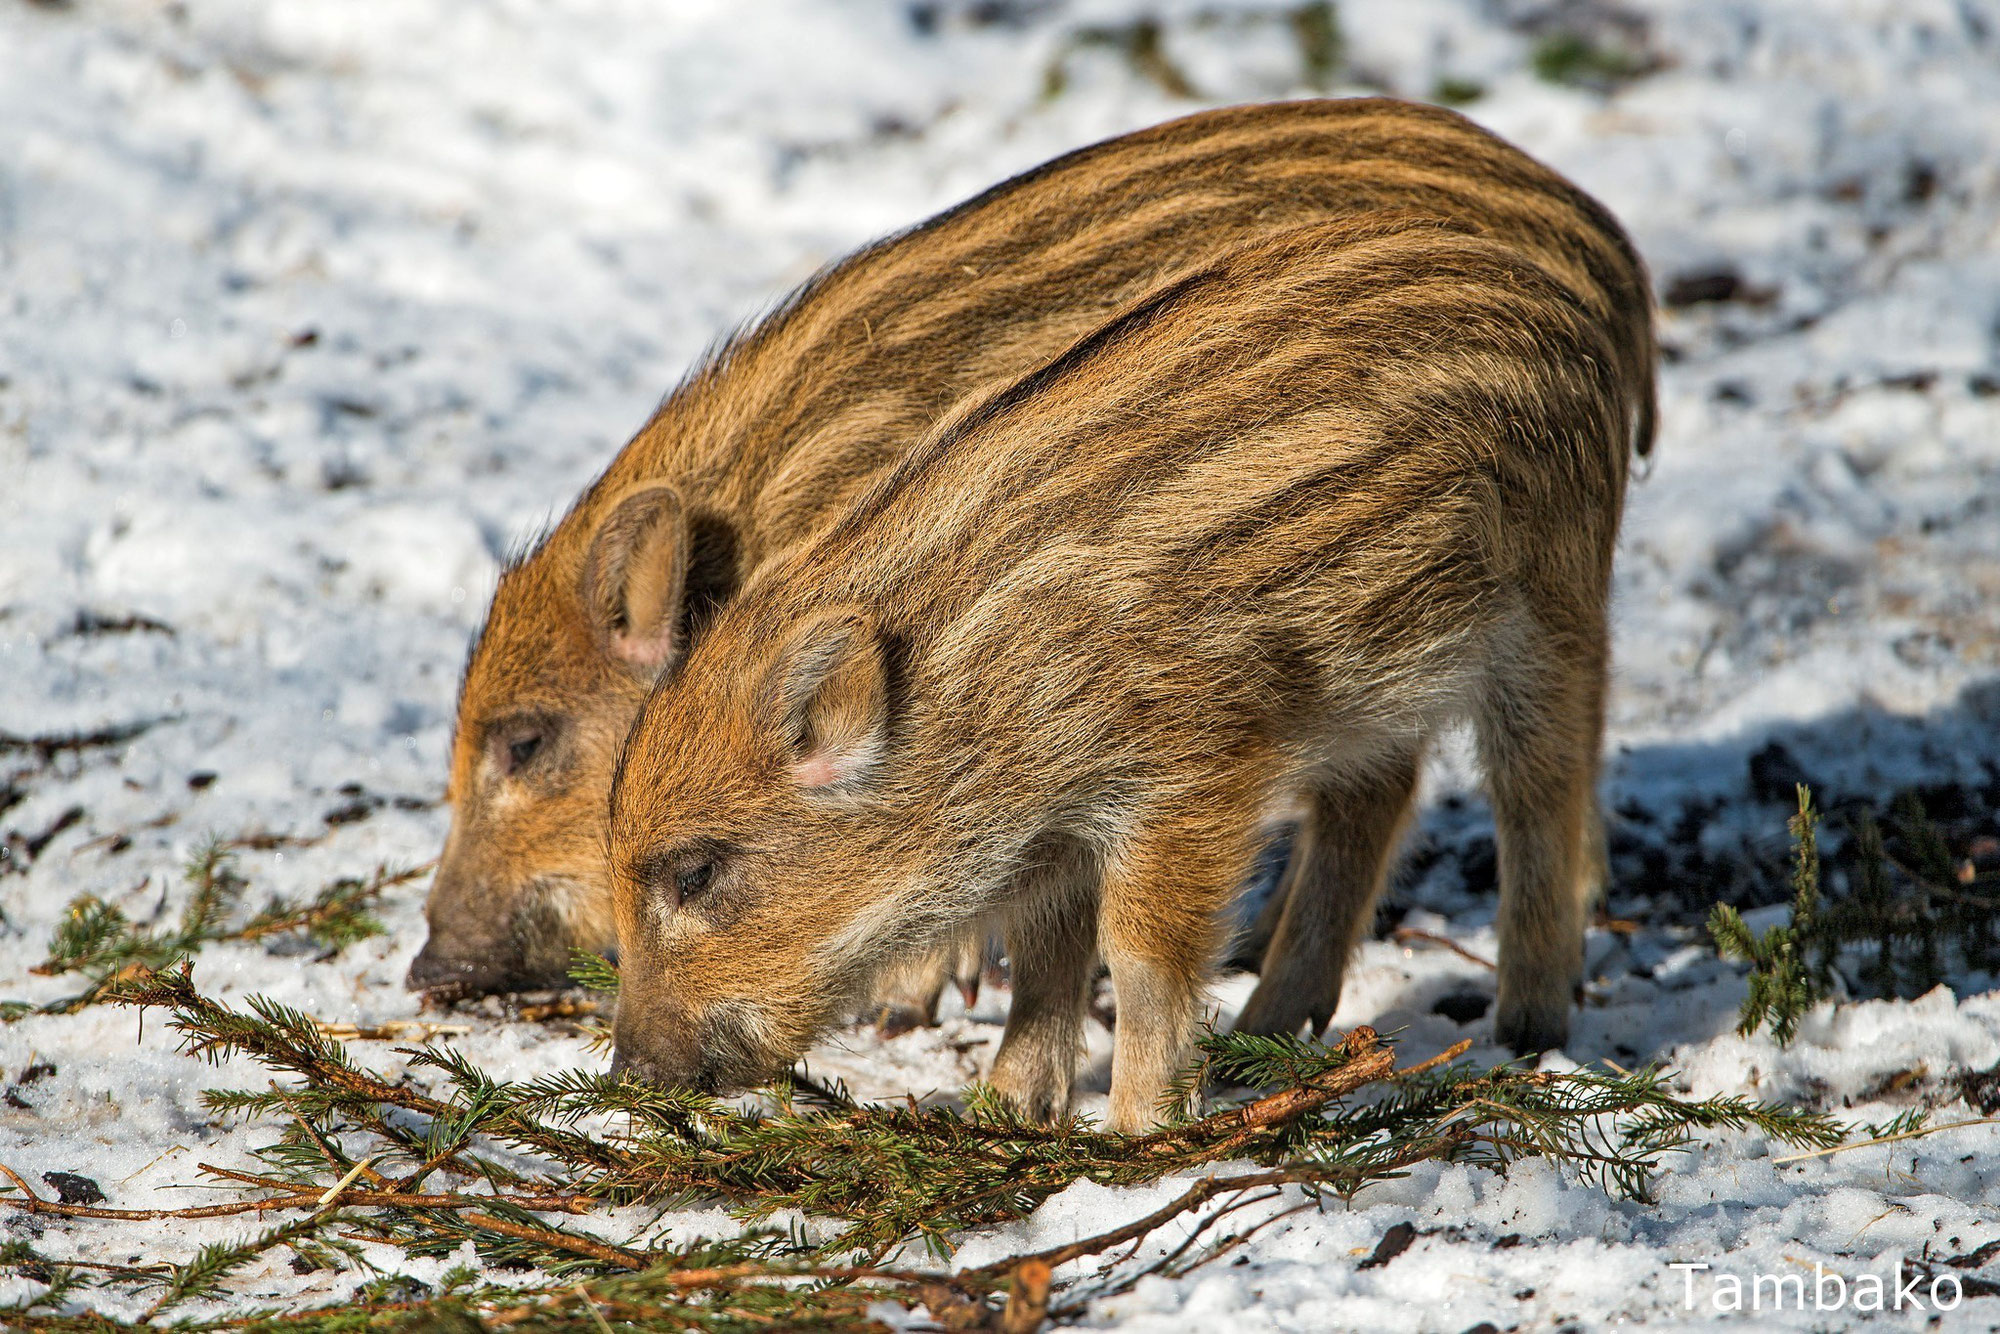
<point>1336,1120</point>
<point>896,1171</point>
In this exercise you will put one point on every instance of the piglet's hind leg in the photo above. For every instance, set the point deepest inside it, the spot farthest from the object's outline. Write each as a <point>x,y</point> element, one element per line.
<point>1164,896</point>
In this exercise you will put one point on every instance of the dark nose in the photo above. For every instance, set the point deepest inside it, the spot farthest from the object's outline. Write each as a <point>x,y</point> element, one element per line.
<point>625,1065</point>
<point>665,1069</point>
<point>427,971</point>
<point>444,977</point>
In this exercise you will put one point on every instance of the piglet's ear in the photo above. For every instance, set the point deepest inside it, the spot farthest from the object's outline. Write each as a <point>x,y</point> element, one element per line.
<point>830,699</point>
<point>635,579</point>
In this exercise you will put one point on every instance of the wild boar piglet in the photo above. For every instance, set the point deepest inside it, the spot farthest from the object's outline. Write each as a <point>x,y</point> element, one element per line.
<point>1255,539</point>
<point>770,438</point>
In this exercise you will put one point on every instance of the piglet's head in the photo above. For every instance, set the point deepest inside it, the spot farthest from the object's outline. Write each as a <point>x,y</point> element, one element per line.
<point>754,849</point>
<point>564,662</point>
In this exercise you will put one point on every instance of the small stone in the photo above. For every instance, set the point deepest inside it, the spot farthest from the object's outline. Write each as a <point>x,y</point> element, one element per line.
<point>73,1189</point>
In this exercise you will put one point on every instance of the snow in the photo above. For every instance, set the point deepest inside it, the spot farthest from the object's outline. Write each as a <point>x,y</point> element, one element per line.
<point>307,312</point>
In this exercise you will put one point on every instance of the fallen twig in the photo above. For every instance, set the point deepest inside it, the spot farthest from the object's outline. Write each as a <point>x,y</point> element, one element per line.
<point>1918,1133</point>
<point>1200,1193</point>
<point>391,1030</point>
<point>1405,935</point>
<point>298,1198</point>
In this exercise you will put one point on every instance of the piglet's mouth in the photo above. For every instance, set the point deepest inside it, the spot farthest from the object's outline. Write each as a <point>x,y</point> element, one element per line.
<point>440,981</point>
<point>444,995</point>
<point>446,981</point>
<point>531,951</point>
<point>646,1071</point>
<point>716,1055</point>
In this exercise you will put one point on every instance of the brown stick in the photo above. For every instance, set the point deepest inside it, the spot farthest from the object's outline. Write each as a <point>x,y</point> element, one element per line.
<point>1028,1305</point>
<point>602,1252</point>
<point>1368,1063</point>
<point>296,1198</point>
<point>539,1204</point>
<point>1194,1197</point>
<point>325,1149</point>
<point>35,1204</point>
<point>247,1178</point>
<point>1302,1174</point>
<point>1403,935</point>
<point>1445,1057</point>
<point>393,1030</point>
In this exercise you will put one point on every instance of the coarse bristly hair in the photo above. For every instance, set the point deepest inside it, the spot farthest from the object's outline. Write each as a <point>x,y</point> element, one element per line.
<point>787,424</point>
<point>1256,538</point>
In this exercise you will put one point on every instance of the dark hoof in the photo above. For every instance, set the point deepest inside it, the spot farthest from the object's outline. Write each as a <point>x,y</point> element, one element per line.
<point>1531,1035</point>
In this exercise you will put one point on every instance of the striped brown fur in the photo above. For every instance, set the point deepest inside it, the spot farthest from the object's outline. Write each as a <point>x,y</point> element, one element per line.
<point>1259,536</point>
<point>779,431</point>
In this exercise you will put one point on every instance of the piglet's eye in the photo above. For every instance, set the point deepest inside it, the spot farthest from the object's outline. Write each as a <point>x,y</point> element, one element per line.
<point>692,881</point>
<point>522,751</point>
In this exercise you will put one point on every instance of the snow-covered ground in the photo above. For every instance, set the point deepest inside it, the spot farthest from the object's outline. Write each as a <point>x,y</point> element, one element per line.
<point>308,310</point>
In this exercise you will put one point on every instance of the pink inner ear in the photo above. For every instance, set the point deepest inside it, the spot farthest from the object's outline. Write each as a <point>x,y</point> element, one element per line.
<point>816,770</point>
<point>643,650</point>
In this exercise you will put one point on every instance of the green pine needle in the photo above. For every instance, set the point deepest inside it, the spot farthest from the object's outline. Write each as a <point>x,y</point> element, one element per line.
<point>96,940</point>
<point>1785,985</point>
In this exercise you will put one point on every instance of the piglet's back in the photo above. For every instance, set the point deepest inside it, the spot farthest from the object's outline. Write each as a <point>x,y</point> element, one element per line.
<point>881,343</point>
<point>1309,467</point>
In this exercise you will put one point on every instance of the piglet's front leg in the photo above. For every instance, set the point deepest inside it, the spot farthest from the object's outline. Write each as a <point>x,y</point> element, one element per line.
<point>1052,957</point>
